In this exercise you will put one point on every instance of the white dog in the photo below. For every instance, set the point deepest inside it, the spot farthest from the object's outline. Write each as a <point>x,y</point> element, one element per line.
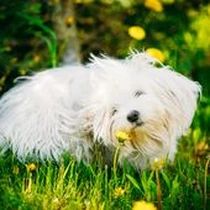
<point>74,107</point>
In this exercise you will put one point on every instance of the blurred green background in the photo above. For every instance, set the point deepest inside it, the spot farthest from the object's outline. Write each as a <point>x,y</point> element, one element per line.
<point>39,34</point>
<point>179,28</point>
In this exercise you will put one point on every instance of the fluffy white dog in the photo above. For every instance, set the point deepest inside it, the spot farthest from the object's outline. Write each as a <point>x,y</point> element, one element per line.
<point>74,107</point>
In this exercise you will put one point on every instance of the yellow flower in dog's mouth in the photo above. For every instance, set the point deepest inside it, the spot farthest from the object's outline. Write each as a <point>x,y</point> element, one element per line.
<point>122,136</point>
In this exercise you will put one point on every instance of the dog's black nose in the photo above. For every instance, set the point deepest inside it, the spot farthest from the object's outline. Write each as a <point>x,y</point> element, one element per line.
<point>133,116</point>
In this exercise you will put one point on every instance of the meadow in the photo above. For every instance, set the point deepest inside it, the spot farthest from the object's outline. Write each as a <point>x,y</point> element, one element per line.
<point>173,31</point>
<point>181,185</point>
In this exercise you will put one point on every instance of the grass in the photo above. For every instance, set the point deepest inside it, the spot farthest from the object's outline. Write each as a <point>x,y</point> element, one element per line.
<point>71,185</point>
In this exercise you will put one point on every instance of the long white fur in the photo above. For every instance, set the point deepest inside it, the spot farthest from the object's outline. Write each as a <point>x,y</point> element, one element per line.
<point>71,108</point>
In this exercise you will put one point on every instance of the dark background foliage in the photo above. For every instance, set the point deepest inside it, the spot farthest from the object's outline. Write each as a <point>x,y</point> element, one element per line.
<point>28,35</point>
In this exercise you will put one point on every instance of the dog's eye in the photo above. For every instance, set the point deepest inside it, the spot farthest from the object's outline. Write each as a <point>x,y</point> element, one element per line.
<point>138,93</point>
<point>114,111</point>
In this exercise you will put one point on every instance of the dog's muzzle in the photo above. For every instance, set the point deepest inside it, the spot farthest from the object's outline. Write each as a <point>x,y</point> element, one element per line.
<point>135,118</point>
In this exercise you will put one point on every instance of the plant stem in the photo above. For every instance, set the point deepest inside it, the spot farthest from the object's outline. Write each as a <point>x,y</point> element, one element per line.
<point>116,156</point>
<point>159,193</point>
<point>205,184</point>
<point>106,187</point>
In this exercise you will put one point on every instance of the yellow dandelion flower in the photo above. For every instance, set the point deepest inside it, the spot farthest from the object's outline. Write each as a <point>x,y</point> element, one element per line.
<point>56,202</point>
<point>143,205</point>
<point>70,21</point>
<point>36,58</point>
<point>154,5</point>
<point>201,148</point>
<point>158,163</point>
<point>137,32</point>
<point>122,136</point>
<point>118,192</point>
<point>31,167</point>
<point>156,53</point>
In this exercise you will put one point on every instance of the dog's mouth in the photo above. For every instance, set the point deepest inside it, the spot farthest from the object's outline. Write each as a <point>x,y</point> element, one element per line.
<point>137,124</point>
<point>132,131</point>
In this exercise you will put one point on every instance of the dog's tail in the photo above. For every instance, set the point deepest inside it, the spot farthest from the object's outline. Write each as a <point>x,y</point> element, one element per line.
<point>33,117</point>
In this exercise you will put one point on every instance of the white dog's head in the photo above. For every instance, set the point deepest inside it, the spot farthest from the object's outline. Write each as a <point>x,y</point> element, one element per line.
<point>155,105</point>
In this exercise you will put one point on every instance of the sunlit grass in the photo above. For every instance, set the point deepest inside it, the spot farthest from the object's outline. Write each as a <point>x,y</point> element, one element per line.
<point>72,185</point>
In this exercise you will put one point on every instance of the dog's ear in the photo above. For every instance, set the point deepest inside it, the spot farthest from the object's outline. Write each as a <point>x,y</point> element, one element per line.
<point>178,94</point>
